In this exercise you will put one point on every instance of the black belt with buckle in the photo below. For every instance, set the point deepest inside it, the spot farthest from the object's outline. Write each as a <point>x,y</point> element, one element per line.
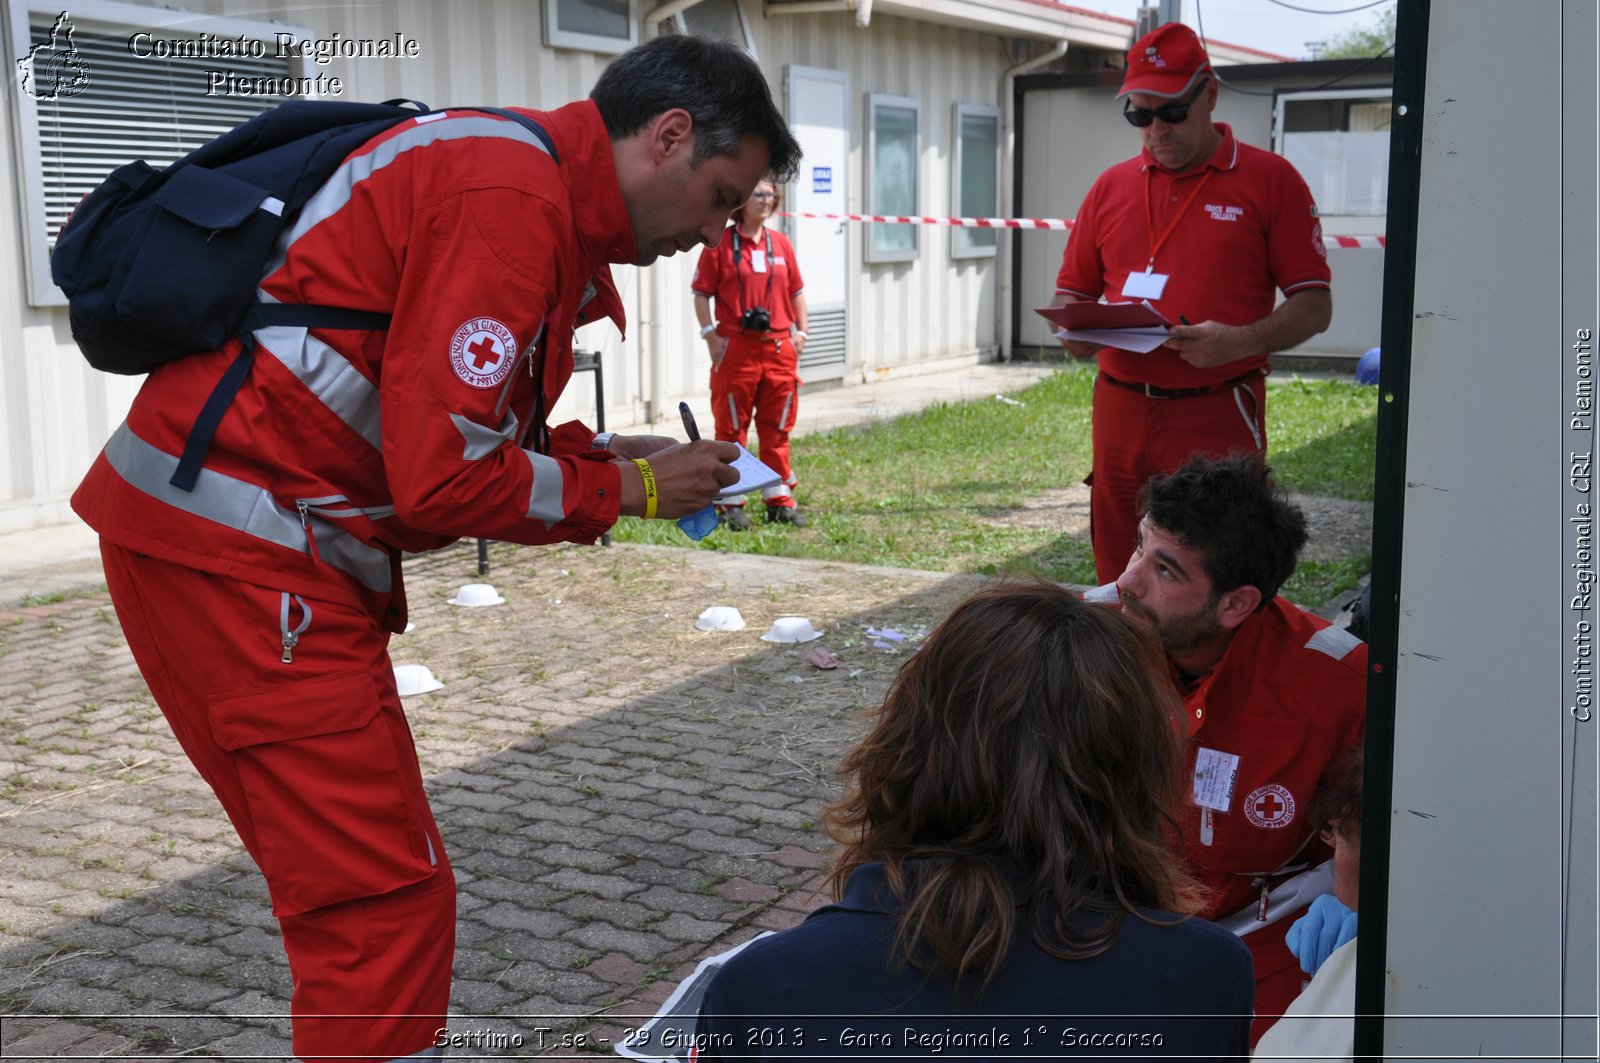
<point>1150,391</point>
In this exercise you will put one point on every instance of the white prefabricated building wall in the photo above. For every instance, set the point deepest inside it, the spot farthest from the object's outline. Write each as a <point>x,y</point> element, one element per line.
<point>55,412</point>
<point>1484,849</point>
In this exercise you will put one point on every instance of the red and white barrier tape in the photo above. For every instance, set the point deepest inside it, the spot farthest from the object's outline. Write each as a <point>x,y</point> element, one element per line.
<point>1353,241</point>
<point>963,223</point>
<point>1060,224</point>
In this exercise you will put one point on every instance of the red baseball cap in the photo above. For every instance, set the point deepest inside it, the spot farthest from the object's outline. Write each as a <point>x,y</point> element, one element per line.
<point>1166,62</point>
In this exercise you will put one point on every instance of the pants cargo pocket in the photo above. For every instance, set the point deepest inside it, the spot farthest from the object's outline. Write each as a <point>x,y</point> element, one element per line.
<point>327,774</point>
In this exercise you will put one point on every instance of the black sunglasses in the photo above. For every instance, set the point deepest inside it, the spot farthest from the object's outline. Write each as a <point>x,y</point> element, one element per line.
<point>1170,113</point>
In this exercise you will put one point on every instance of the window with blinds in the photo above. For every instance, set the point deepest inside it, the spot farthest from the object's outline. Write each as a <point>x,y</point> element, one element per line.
<point>975,190</point>
<point>717,20</point>
<point>894,187</point>
<point>605,26</point>
<point>126,103</point>
<point>1339,141</point>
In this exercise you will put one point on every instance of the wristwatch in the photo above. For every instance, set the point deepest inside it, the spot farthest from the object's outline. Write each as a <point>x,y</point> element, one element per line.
<point>602,441</point>
<point>708,330</point>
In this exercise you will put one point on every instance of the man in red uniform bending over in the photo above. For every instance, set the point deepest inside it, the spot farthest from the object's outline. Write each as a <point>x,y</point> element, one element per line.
<point>1208,230</point>
<point>1273,696</point>
<point>259,605</point>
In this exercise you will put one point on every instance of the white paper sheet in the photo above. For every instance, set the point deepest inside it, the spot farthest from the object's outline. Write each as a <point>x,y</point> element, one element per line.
<point>753,475</point>
<point>1137,340</point>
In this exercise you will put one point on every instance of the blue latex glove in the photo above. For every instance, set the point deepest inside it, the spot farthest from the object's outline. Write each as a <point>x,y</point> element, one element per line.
<point>1326,925</point>
<point>700,523</point>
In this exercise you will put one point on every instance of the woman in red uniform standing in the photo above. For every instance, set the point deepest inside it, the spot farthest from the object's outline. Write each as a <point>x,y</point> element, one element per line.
<point>755,344</point>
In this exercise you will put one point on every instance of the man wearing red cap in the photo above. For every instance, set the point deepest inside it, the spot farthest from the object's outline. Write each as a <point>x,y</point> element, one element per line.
<point>1208,230</point>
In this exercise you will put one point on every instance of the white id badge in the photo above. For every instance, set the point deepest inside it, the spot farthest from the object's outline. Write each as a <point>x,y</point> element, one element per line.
<point>1214,775</point>
<point>1145,285</point>
<point>758,261</point>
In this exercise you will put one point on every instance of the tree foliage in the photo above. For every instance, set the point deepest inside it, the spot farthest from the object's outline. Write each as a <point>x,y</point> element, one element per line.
<point>1363,42</point>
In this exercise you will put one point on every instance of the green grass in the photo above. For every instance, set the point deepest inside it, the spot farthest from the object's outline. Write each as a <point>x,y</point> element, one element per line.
<point>1315,582</point>
<point>1321,436</point>
<point>933,490</point>
<point>57,597</point>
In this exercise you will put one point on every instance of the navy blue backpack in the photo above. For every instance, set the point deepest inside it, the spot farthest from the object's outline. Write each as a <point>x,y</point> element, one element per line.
<point>160,264</point>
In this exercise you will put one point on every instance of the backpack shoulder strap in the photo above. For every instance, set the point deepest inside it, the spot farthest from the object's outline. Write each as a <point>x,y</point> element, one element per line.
<point>525,122</point>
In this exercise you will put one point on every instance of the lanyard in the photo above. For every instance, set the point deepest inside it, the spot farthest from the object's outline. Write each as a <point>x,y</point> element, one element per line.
<point>738,265</point>
<point>1149,217</point>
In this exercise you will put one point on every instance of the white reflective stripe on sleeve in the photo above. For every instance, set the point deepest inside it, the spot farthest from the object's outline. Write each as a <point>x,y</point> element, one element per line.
<point>336,191</point>
<point>544,502</point>
<point>329,376</point>
<point>1336,642</point>
<point>481,441</point>
<point>244,507</point>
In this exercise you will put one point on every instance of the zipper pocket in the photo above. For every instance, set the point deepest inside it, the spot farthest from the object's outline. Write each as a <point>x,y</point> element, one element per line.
<point>291,638</point>
<point>333,507</point>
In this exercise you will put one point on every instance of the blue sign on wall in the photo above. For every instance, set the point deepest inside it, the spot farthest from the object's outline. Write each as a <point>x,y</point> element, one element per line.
<point>822,179</point>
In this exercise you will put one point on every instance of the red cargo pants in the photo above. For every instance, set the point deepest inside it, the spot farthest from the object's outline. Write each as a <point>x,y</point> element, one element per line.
<point>759,380</point>
<point>313,762</point>
<point>1136,437</point>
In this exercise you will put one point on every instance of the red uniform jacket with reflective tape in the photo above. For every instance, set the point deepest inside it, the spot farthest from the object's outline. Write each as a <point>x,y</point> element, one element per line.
<point>1288,699</point>
<point>345,447</point>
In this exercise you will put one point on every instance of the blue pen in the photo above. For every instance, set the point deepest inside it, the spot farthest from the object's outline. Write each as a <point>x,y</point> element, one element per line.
<point>688,421</point>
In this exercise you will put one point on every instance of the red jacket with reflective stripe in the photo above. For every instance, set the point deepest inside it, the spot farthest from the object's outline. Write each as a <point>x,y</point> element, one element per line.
<point>1288,699</point>
<point>345,447</point>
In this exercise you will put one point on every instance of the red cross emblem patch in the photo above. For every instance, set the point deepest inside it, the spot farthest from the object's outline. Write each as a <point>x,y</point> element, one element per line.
<point>482,352</point>
<point>1269,807</point>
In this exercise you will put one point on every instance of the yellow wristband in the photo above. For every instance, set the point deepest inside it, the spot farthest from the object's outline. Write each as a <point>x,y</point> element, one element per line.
<point>649,478</point>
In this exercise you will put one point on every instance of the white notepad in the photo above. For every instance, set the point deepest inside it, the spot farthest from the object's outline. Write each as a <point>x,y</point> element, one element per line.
<point>753,475</point>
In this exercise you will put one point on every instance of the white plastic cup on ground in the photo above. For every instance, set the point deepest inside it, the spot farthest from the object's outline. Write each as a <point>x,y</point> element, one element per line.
<point>415,679</point>
<point>473,595</point>
<point>720,618</point>
<point>791,629</point>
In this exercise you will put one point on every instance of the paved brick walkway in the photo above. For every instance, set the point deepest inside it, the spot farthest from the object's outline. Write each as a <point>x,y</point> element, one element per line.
<point>620,794</point>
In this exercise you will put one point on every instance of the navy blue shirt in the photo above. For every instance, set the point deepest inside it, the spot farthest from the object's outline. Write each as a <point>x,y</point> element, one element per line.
<point>830,988</point>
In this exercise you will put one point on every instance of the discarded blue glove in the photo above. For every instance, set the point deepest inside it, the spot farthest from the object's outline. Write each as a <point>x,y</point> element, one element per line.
<point>1326,925</point>
<point>700,523</point>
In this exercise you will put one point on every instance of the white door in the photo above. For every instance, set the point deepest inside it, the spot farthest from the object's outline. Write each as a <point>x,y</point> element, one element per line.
<point>817,114</point>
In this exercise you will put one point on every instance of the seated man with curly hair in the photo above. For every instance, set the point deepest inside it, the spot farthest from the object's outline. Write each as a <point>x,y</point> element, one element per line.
<point>1272,696</point>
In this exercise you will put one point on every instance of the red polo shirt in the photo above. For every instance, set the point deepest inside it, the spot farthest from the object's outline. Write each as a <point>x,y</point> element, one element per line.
<point>1251,230</point>
<point>735,286</point>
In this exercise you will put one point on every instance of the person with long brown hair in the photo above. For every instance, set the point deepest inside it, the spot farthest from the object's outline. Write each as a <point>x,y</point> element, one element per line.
<point>1005,883</point>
